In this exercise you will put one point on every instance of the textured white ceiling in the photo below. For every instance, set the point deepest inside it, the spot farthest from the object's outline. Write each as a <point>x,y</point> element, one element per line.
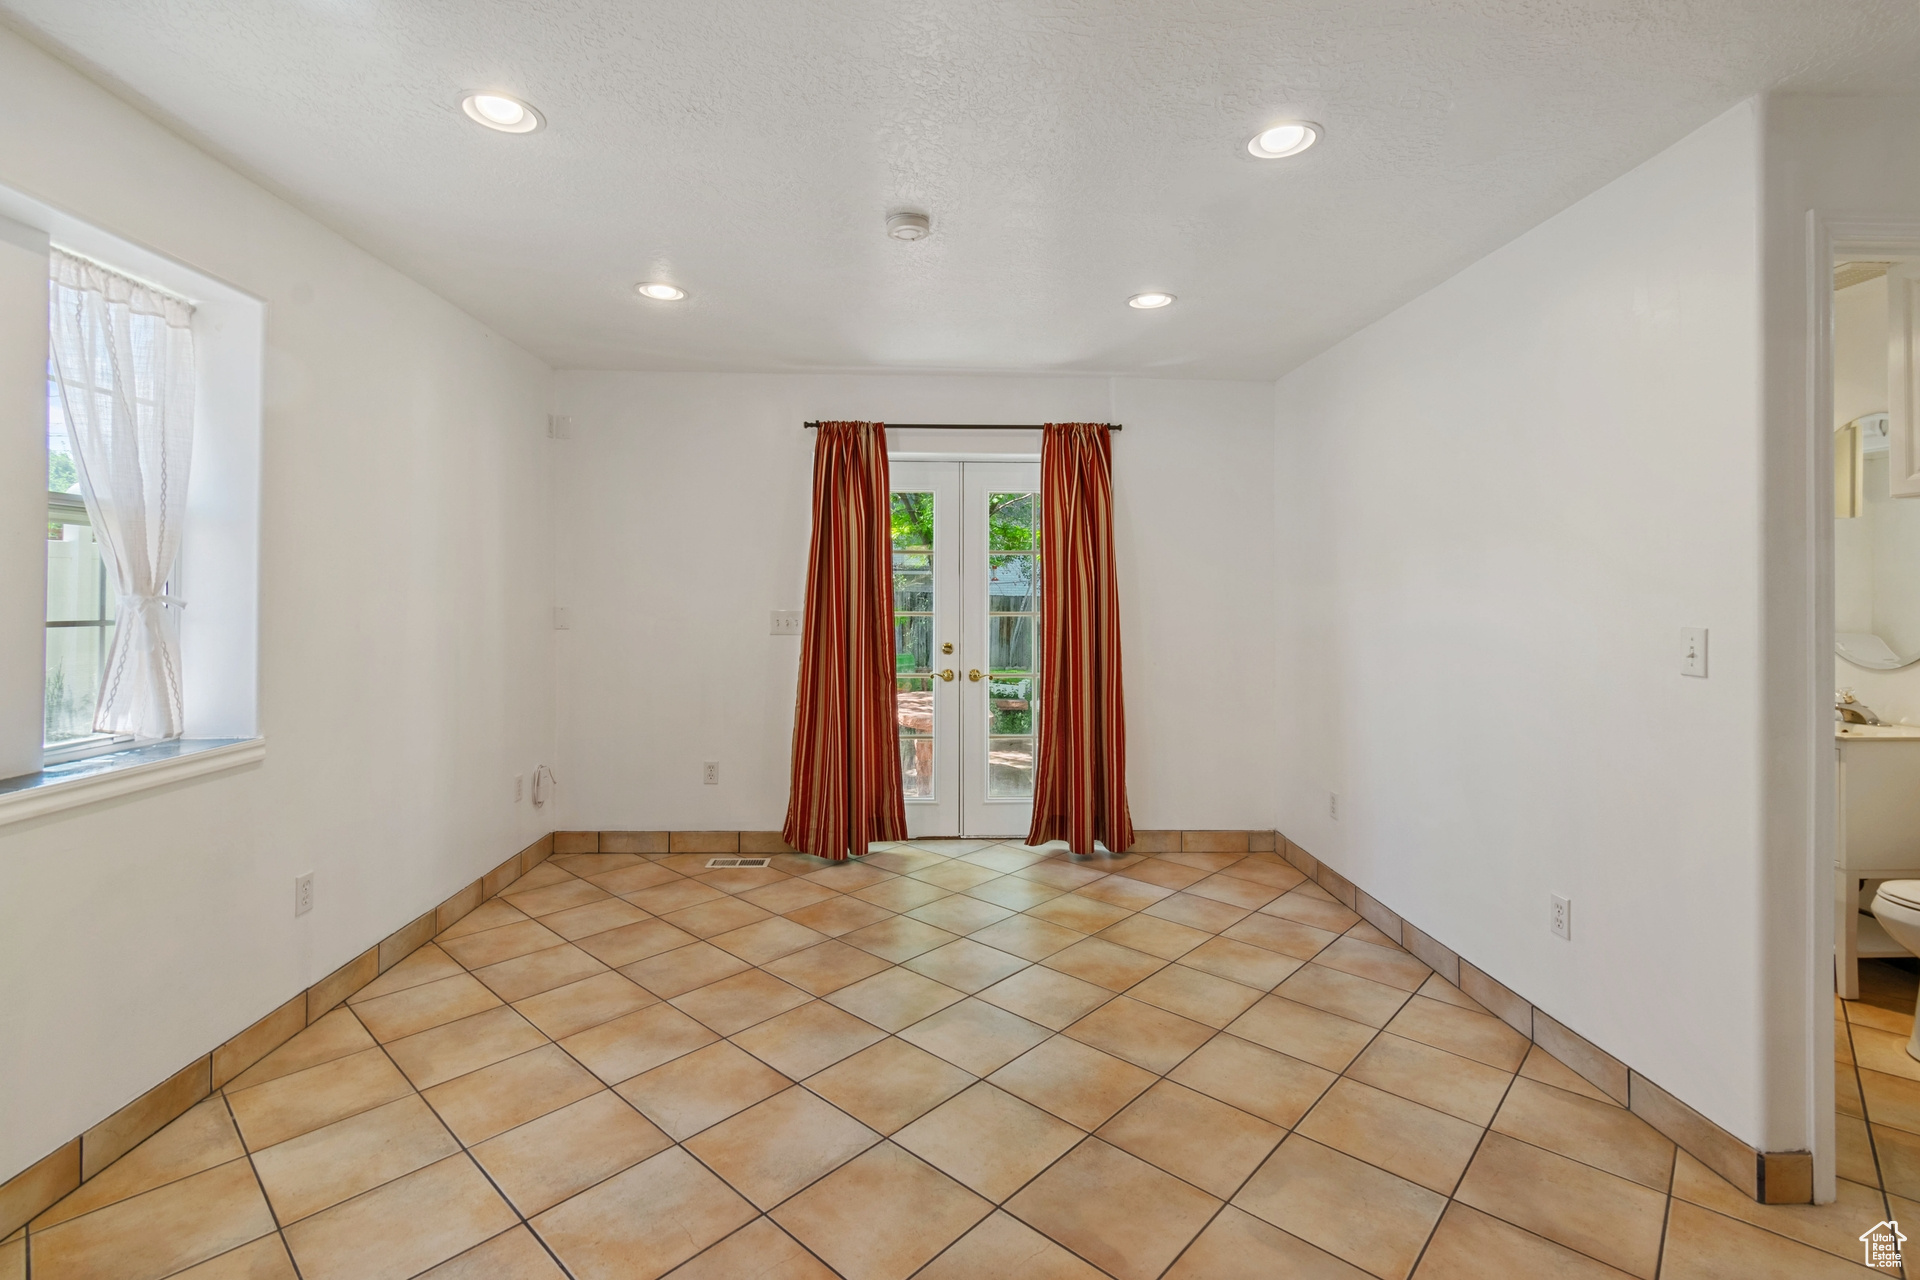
<point>1071,152</point>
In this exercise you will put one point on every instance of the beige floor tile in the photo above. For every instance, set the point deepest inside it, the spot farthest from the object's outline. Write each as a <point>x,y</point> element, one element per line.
<point>1899,1022</point>
<point>1702,1245</point>
<point>1238,1246</point>
<point>1461,1087</point>
<point>545,873</point>
<point>826,967</point>
<point>1899,1153</point>
<point>1014,893</point>
<point>1310,1035</point>
<point>644,1222</point>
<point>1039,994</point>
<point>1027,937</point>
<point>632,943</point>
<point>263,1259</point>
<point>1471,1035</point>
<point>965,965</point>
<point>959,914</point>
<point>1205,914</point>
<point>1469,1245</point>
<point>158,1232</point>
<point>1104,963</point>
<point>547,899</point>
<point>1233,891</point>
<point>1255,1079</point>
<point>889,1085</point>
<point>1583,1208</point>
<point>334,1036</point>
<point>989,1140</point>
<point>759,1250</point>
<point>511,1255</point>
<point>1306,905</point>
<point>701,1089</point>
<point>1081,914</point>
<point>1196,995</point>
<point>768,940</point>
<point>1847,1098</point>
<point>894,999</point>
<point>955,875</point>
<point>1120,1213</point>
<point>538,971</point>
<point>1547,1069</point>
<point>488,915</point>
<point>722,915</point>
<point>288,1106</point>
<point>1884,1052</point>
<point>1393,967</point>
<point>1853,1158</point>
<point>774,1148</point>
<point>1120,891</point>
<point>595,917</point>
<point>1165,873</point>
<point>787,895</point>
<point>426,964</point>
<point>430,1057</point>
<point>895,938</point>
<point>1417,1143</point>
<point>976,1036</point>
<point>838,916</point>
<point>882,1215</point>
<point>736,1003</point>
<point>494,1099</point>
<point>634,878</point>
<point>478,950</point>
<point>1073,1081</point>
<point>738,880</point>
<point>847,876</point>
<point>428,1005</point>
<point>401,1228</point>
<point>319,1169</point>
<point>1060,874</point>
<point>1285,937</point>
<point>1353,998</point>
<point>1154,936</point>
<point>1277,874</point>
<point>1438,988</point>
<point>902,894</point>
<point>577,1006</point>
<point>1595,1133</point>
<point>808,1039</point>
<point>1140,1033</point>
<point>200,1139</point>
<point>674,895</point>
<point>636,1042</point>
<point>564,1152</point>
<point>1834,1228</point>
<point>674,973</point>
<point>1242,963</point>
<point>1190,1135</point>
<point>1004,1246</point>
<point>588,865</point>
<point>1346,1207</point>
<point>1889,1100</point>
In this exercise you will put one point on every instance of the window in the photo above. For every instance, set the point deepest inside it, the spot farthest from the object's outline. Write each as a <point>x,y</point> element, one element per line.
<point>80,601</point>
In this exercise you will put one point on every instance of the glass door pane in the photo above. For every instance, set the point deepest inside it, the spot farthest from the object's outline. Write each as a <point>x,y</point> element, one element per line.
<point>1002,584</point>
<point>926,556</point>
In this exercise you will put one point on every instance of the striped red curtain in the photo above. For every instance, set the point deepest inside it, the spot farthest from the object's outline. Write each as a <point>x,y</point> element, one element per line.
<point>1080,791</point>
<point>846,764</point>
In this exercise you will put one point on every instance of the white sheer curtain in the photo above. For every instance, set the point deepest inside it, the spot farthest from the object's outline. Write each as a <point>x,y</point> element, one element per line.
<point>123,363</point>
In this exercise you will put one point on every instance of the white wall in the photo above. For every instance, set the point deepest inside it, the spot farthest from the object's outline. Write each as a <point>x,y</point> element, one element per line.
<point>1498,507</point>
<point>405,649</point>
<point>683,508</point>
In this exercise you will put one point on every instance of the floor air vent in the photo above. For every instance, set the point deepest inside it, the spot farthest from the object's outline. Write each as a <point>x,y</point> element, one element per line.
<point>736,862</point>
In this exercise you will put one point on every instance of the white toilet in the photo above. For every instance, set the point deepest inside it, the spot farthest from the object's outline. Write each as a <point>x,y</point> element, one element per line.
<point>1896,905</point>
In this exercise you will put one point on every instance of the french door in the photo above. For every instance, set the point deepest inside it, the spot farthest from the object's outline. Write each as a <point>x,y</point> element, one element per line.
<point>966,599</point>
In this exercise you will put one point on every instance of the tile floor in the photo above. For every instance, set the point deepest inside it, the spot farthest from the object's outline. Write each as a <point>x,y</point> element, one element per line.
<point>953,1060</point>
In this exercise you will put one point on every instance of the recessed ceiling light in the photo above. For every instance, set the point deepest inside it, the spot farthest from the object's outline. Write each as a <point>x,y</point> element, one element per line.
<point>502,112</point>
<point>660,292</point>
<point>1284,140</point>
<point>1148,301</point>
<point>907,225</point>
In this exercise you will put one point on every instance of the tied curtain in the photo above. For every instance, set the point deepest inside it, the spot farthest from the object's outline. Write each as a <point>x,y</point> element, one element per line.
<point>846,759</point>
<point>122,360</point>
<point>1080,789</point>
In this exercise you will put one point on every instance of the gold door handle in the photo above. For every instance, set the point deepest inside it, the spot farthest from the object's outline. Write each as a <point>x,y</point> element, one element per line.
<point>947,674</point>
<point>974,674</point>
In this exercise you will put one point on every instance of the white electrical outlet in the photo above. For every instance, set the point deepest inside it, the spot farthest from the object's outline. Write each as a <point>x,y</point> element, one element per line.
<point>559,426</point>
<point>786,622</point>
<point>1693,651</point>
<point>710,773</point>
<point>519,786</point>
<point>1560,917</point>
<point>1333,805</point>
<point>303,894</point>
<point>562,618</point>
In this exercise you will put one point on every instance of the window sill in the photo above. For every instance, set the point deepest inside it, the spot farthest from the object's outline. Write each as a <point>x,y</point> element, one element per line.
<point>117,773</point>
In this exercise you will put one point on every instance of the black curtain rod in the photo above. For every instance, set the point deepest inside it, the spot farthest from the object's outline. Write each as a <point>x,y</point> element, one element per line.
<point>964,426</point>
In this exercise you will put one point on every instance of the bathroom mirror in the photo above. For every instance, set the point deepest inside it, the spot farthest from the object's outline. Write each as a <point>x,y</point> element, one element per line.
<point>1876,544</point>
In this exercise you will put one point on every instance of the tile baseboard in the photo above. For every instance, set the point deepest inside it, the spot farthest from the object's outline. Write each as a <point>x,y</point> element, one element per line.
<point>35,1188</point>
<point>1769,1177</point>
<point>773,842</point>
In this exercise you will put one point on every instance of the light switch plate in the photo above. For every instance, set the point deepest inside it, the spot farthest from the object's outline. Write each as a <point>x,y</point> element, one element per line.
<point>1693,651</point>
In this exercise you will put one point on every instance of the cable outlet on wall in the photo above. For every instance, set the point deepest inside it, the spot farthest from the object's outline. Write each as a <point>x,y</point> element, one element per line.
<point>1333,805</point>
<point>786,622</point>
<point>1560,916</point>
<point>303,894</point>
<point>519,786</point>
<point>562,618</point>
<point>710,773</point>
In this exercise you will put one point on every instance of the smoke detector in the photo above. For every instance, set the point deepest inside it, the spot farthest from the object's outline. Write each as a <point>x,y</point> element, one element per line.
<point>909,226</point>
